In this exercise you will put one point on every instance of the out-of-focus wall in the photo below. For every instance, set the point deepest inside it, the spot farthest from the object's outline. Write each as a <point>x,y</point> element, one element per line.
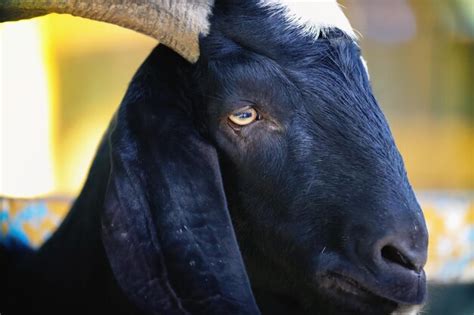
<point>420,55</point>
<point>95,62</point>
<point>48,140</point>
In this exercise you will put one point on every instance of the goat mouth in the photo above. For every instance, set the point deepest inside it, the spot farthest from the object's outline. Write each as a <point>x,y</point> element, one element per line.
<point>347,285</point>
<point>349,296</point>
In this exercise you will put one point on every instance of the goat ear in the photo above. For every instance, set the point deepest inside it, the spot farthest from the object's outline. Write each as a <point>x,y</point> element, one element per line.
<point>166,228</point>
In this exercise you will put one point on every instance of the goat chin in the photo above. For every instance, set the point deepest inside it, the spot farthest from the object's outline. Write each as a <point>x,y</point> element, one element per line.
<point>408,310</point>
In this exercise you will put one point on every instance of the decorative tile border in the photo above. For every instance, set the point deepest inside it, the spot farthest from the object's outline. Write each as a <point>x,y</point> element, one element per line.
<point>450,220</point>
<point>29,222</point>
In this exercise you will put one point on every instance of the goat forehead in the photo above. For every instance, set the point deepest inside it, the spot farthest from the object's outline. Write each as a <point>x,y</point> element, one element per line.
<point>313,16</point>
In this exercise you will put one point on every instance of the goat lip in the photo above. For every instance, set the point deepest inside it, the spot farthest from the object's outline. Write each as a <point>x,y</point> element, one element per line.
<point>352,286</point>
<point>343,295</point>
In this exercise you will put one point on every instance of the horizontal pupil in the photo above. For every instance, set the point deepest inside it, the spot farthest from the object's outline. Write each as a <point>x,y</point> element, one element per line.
<point>243,115</point>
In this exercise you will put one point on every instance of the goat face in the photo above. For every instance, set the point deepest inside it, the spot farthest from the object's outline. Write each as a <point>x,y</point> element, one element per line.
<point>317,190</point>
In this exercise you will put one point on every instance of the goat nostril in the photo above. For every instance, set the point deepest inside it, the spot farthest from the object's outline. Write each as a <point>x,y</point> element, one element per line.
<point>392,254</point>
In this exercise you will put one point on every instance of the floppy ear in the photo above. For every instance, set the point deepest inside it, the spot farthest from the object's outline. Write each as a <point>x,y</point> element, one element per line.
<point>166,227</point>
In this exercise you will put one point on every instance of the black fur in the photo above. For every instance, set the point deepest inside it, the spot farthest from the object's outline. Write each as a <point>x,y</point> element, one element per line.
<point>317,193</point>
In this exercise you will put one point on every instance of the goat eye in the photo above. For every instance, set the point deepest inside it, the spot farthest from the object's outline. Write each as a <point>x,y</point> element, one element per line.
<point>244,116</point>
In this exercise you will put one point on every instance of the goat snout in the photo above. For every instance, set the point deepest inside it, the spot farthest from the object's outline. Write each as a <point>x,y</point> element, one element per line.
<point>398,254</point>
<point>396,257</point>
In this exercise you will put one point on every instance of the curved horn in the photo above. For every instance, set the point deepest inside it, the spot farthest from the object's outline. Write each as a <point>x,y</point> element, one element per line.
<point>174,23</point>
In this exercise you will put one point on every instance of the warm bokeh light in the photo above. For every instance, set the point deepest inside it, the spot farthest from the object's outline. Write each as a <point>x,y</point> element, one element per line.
<point>94,63</point>
<point>26,162</point>
<point>61,80</point>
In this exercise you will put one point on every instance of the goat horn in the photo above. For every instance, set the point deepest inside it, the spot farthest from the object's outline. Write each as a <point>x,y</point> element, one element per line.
<point>174,23</point>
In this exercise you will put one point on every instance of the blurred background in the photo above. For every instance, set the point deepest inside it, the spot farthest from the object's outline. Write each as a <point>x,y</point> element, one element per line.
<point>62,78</point>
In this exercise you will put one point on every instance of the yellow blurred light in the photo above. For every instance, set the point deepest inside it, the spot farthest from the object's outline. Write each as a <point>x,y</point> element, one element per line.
<point>43,151</point>
<point>26,168</point>
<point>78,154</point>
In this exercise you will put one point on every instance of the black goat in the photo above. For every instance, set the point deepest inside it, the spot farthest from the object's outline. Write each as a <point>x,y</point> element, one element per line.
<point>273,133</point>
